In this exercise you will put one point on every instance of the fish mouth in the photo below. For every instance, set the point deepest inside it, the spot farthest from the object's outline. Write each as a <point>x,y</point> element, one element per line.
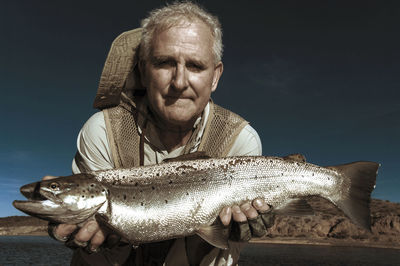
<point>32,192</point>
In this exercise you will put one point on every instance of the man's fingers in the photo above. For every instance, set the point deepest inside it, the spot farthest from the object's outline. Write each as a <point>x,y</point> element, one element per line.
<point>225,216</point>
<point>97,240</point>
<point>249,211</point>
<point>87,231</point>
<point>238,215</point>
<point>48,177</point>
<point>260,205</point>
<point>64,230</point>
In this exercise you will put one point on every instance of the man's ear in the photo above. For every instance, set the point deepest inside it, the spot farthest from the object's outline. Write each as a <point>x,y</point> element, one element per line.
<point>219,68</point>
<point>142,71</point>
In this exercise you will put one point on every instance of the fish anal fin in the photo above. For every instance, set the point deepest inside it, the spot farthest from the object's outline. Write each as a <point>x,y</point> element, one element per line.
<point>295,207</point>
<point>190,156</point>
<point>215,234</point>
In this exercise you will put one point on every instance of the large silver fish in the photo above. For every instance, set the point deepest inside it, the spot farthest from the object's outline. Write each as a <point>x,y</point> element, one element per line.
<point>180,198</point>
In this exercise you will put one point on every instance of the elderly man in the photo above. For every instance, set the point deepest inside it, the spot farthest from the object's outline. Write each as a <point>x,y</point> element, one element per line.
<point>178,67</point>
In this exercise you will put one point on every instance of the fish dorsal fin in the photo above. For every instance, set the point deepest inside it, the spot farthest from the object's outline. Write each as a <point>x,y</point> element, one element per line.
<point>297,157</point>
<point>295,207</point>
<point>215,234</point>
<point>190,156</point>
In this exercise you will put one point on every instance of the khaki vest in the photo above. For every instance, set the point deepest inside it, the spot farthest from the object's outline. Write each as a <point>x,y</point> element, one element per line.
<point>222,128</point>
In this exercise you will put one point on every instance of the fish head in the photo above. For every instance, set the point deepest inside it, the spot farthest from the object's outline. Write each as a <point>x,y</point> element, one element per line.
<point>70,199</point>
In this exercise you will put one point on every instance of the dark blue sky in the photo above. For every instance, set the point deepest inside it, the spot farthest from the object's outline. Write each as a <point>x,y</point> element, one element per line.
<point>314,77</point>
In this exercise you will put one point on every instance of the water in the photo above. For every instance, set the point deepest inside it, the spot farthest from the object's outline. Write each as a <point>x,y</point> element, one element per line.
<point>42,250</point>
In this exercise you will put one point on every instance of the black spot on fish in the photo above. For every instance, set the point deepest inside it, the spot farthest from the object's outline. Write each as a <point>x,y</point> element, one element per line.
<point>114,182</point>
<point>83,196</point>
<point>77,185</point>
<point>153,188</point>
<point>92,196</point>
<point>277,186</point>
<point>255,177</point>
<point>141,203</point>
<point>83,191</point>
<point>158,174</point>
<point>108,191</point>
<point>187,193</point>
<point>170,182</point>
<point>312,174</point>
<point>133,197</point>
<point>123,177</point>
<point>166,201</point>
<point>136,184</point>
<point>281,174</point>
<point>124,197</point>
<point>270,161</point>
<point>203,179</point>
<point>131,181</point>
<point>92,185</point>
<point>140,190</point>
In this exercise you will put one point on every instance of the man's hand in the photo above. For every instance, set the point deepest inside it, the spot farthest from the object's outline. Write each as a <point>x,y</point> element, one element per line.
<point>248,221</point>
<point>89,234</point>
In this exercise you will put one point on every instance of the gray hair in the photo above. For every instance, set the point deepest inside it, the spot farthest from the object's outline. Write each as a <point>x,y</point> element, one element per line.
<point>176,14</point>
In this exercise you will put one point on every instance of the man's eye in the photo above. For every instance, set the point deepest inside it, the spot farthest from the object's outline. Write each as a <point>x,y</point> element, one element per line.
<point>163,63</point>
<point>195,67</point>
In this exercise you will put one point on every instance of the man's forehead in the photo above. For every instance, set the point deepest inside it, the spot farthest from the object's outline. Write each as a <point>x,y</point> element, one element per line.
<point>193,40</point>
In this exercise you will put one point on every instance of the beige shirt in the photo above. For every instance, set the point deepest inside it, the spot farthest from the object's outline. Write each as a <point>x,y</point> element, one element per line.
<point>95,154</point>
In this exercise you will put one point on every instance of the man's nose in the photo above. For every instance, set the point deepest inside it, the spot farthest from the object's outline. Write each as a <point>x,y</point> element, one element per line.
<point>180,79</point>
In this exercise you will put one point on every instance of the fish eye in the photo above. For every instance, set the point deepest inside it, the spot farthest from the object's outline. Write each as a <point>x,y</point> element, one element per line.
<point>54,186</point>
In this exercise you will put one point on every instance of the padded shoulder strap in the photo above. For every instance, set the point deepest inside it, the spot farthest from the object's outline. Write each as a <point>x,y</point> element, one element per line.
<point>222,129</point>
<point>123,136</point>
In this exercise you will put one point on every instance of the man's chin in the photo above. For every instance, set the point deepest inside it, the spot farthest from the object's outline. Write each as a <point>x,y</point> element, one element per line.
<point>180,118</point>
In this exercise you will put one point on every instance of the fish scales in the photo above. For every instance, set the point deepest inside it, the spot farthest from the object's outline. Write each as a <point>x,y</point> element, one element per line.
<point>179,198</point>
<point>150,201</point>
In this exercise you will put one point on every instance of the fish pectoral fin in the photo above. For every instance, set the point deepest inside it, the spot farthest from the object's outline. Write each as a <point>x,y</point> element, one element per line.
<point>190,156</point>
<point>215,234</point>
<point>295,207</point>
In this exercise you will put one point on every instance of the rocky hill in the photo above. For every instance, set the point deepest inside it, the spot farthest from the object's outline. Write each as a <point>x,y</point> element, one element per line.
<point>330,226</point>
<point>327,226</point>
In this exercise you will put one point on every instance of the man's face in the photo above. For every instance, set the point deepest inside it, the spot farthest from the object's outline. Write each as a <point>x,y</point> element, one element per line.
<point>180,73</point>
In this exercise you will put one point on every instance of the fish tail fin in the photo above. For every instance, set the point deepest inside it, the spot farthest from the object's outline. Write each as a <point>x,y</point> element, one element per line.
<point>359,181</point>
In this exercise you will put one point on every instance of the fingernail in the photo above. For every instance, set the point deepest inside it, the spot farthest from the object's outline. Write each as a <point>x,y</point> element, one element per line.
<point>91,228</point>
<point>258,203</point>
<point>226,210</point>
<point>236,209</point>
<point>246,206</point>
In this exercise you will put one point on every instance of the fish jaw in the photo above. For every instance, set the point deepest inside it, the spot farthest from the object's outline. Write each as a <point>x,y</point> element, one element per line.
<point>72,199</point>
<point>51,211</point>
